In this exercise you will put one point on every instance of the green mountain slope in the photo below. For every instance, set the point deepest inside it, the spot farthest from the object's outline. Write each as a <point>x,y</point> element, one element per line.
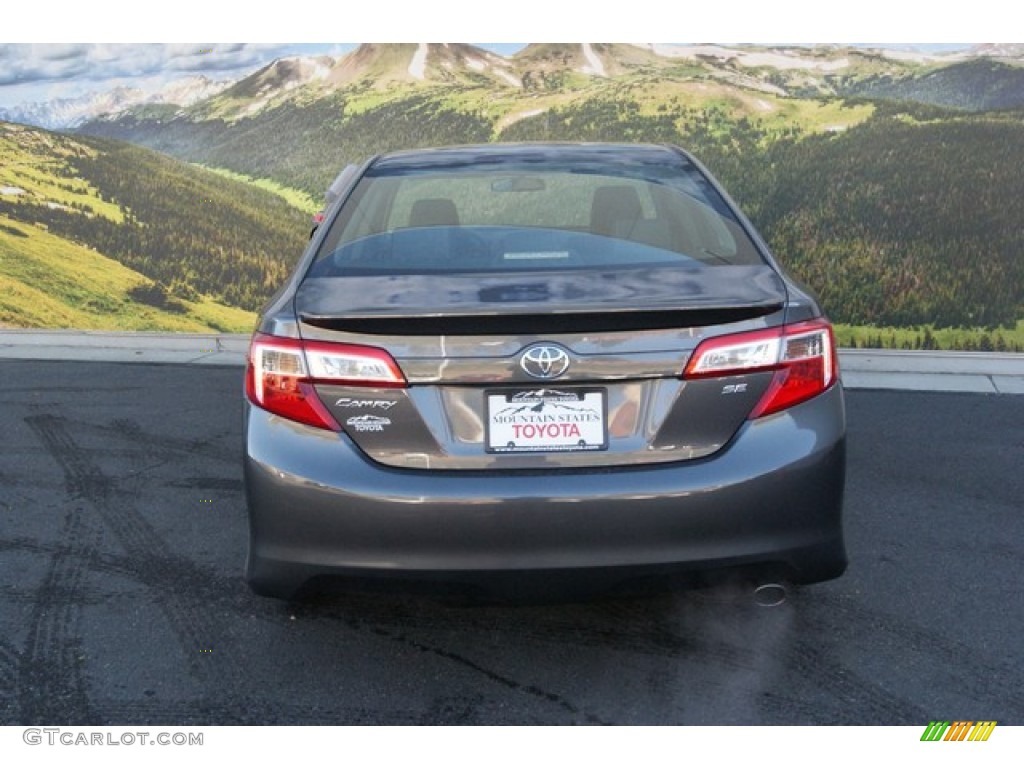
<point>193,239</point>
<point>49,282</point>
<point>895,213</point>
<point>976,85</point>
<point>898,222</point>
<point>304,146</point>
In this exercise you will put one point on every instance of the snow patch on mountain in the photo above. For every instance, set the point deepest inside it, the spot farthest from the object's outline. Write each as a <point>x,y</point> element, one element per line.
<point>781,59</point>
<point>58,114</point>
<point>63,113</point>
<point>915,56</point>
<point>790,61</point>
<point>509,78</point>
<point>307,69</point>
<point>418,65</point>
<point>594,65</point>
<point>256,106</point>
<point>798,58</point>
<point>188,90</point>
<point>515,117</point>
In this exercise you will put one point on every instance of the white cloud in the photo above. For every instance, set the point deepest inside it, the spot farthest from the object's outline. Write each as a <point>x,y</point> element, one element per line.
<point>23,64</point>
<point>39,72</point>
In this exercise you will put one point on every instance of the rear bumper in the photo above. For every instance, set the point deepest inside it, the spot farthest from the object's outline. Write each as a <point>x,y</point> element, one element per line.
<point>772,497</point>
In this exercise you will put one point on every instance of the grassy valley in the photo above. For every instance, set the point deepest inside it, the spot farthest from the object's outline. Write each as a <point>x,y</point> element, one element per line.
<point>49,282</point>
<point>99,233</point>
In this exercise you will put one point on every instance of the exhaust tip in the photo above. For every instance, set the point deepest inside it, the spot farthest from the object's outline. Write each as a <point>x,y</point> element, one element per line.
<point>770,595</point>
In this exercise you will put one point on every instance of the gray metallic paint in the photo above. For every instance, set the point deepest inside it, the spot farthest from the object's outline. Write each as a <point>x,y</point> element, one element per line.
<point>451,359</point>
<point>438,421</point>
<point>429,295</point>
<point>657,421</point>
<point>772,496</point>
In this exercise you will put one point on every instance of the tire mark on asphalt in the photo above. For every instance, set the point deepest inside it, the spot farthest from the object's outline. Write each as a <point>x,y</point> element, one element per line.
<point>82,480</point>
<point>165,446</point>
<point>52,686</point>
<point>10,661</point>
<point>141,542</point>
<point>102,562</point>
<point>530,690</point>
<point>25,544</point>
<point>507,682</point>
<point>216,584</point>
<point>718,635</point>
<point>650,627</point>
<point>82,598</point>
<point>164,451</point>
<point>162,448</point>
<point>665,631</point>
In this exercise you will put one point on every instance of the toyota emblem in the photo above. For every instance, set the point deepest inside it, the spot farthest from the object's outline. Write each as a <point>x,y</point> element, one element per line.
<point>544,362</point>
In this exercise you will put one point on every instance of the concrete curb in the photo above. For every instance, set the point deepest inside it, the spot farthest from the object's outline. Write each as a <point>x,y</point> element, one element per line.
<point>983,372</point>
<point>1001,372</point>
<point>143,347</point>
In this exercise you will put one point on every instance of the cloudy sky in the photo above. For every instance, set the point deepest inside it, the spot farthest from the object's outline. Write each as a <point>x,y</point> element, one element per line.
<point>41,59</point>
<point>40,72</point>
<point>32,72</point>
<point>36,72</point>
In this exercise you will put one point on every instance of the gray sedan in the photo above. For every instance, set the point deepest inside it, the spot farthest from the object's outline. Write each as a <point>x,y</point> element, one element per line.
<point>562,358</point>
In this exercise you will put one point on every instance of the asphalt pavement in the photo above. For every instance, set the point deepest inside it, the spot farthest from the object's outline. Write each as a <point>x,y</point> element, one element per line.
<point>123,535</point>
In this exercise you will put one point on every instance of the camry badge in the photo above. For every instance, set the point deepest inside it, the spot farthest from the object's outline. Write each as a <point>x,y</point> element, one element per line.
<point>544,362</point>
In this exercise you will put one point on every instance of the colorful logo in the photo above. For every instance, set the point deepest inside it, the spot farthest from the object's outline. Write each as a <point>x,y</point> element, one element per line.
<point>961,730</point>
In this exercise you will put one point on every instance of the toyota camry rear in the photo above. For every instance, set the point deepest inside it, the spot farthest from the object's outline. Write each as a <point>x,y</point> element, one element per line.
<point>512,358</point>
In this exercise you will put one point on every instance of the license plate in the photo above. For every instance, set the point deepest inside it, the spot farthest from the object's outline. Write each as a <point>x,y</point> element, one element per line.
<point>540,420</point>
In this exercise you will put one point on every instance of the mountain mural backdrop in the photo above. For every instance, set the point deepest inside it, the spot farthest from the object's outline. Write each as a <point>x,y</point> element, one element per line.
<point>887,180</point>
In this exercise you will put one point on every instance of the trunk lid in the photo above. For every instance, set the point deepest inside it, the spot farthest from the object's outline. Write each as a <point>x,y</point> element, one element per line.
<point>474,348</point>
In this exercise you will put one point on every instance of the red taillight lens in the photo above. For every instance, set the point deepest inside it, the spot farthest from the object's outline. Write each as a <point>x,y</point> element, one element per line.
<point>281,373</point>
<point>803,357</point>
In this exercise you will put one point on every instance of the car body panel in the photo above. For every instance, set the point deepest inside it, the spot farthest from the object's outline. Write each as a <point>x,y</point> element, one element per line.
<point>439,422</point>
<point>774,496</point>
<point>683,288</point>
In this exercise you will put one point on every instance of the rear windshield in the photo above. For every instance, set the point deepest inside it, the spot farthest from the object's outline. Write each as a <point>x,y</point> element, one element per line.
<point>498,218</point>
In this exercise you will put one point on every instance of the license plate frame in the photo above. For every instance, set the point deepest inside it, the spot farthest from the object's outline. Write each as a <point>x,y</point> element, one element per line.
<point>563,420</point>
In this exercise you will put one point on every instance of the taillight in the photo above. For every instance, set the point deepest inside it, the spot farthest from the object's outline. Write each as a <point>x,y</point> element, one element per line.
<point>802,355</point>
<point>281,374</point>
